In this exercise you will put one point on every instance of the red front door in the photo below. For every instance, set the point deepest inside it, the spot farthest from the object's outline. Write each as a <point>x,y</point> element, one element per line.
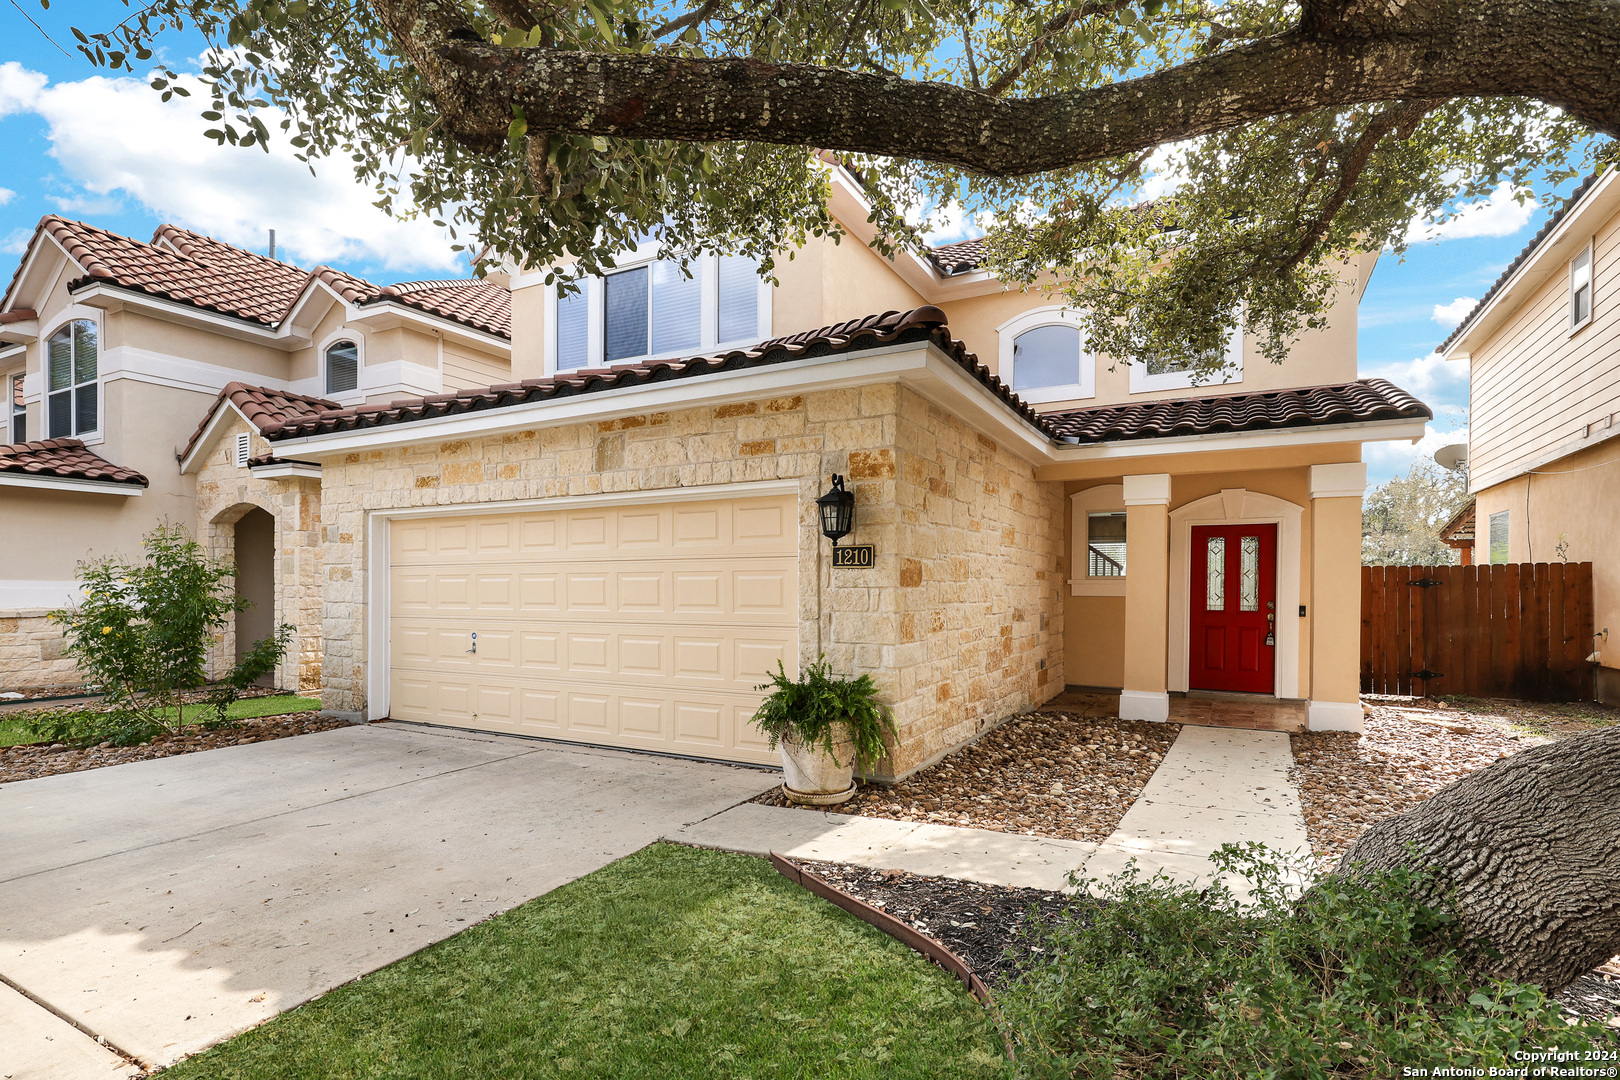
<point>1234,608</point>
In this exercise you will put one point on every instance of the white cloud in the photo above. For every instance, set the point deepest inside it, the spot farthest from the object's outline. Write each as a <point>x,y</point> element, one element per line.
<point>1166,172</point>
<point>1426,376</point>
<point>19,88</point>
<point>15,242</point>
<point>946,224</point>
<point>1387,459</point>
<point>1449,315</point>
<point>1499,215</point>
<point>116,137</point>
<point>6,195</point>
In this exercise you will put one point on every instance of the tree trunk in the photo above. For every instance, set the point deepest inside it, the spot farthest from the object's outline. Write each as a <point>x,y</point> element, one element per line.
<point>1529,849</point>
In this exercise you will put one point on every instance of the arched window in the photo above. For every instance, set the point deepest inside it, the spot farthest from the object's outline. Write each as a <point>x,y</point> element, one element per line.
<point>1044,357</point>
<point>342,367</point>
<point>71,406</point>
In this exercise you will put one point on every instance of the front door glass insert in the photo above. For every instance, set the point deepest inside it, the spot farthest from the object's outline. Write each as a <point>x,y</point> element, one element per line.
<point>1215,575</point>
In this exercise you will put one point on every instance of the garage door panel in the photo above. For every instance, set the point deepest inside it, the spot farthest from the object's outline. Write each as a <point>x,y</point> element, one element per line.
<point>644,626</point>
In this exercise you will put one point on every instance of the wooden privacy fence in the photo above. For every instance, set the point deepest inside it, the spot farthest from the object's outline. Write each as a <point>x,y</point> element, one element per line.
<point>1521,630</point>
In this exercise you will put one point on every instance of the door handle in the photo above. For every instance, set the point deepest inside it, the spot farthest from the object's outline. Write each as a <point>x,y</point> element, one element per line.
<point>474,643</point>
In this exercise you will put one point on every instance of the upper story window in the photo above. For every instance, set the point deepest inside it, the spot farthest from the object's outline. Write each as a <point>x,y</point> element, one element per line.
<point>72,405</point>
<point>1580,289</point>
<point>342,367</point>
<point>656,310</point>
<point>1160,374</point>
<point>1044,358</point>
<point>1499,537</point>
<point>17,411</point>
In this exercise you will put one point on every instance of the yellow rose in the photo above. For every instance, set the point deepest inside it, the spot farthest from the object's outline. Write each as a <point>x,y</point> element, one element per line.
<point>106,629</point>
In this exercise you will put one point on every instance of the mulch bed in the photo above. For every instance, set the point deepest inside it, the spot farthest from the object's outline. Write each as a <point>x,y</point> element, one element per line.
<point>982,924</point>
<point>1069,776</point>
<point>985,925</point>
<point>30,762</point>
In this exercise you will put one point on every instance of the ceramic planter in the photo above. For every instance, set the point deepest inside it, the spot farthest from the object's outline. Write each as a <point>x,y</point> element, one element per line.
<point>811,777</point>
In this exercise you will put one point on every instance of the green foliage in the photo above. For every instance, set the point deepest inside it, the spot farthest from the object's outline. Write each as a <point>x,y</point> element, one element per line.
<point>141,637</point>
<point>812,708</point>
<point>674,963</point>
<point>1402,518</point>
<point>1250,223</point>
<point>1359,980</point>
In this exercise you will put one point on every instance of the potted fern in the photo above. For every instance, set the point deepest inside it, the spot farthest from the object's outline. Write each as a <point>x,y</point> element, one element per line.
<point>824,725</point>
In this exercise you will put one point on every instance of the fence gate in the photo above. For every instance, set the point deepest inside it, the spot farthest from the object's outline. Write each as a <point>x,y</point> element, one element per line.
<point>1519,630</point>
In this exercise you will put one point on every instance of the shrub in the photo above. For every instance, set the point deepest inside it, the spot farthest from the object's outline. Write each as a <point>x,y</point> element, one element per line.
<point>141,637</point>
<point>1162,980</point>
<point>810,708</point>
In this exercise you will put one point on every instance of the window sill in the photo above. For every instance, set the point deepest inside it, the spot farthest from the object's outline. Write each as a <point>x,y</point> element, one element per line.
<point>1045,395</point>
<point>1577,328</point>
<point>1097,586</point>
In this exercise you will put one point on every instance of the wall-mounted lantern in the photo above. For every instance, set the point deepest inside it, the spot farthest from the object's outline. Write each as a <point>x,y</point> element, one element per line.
<point>837,509</point>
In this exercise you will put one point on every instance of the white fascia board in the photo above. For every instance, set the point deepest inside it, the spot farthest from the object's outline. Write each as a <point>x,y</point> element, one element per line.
<point>1548,258</point>
<point>11,352</point>
<point>1373,431</point>
<point>205,442</point>
<point>364,314</point>
<point>111,297</point>
<point>850,206</point>
<point>21,332</point>
<point>66,483</point>
<point>27,267</point>
<point>917,364</point>
<point>279,469</point>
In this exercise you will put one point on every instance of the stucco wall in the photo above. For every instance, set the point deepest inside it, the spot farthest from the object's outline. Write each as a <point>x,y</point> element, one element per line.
<point>954,621</point>
<point>1574,500</point>
<point>224,493</point>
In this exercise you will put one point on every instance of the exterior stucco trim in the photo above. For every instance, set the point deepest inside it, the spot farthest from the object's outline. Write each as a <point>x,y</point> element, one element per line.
<point>63,483</point>
<point>1334,716</point>
<point>1150,705</point>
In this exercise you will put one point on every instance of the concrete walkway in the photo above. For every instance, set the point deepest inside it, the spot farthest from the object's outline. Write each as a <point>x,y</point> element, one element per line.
<point>1215,786</point>
<point>166,905</point>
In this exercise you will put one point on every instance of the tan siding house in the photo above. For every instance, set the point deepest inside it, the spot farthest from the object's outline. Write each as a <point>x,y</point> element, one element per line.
<point>1543,348</point>
<point>591,517</point>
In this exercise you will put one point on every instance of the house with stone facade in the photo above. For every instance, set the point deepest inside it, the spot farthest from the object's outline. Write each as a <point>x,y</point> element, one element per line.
<point>613,537</point>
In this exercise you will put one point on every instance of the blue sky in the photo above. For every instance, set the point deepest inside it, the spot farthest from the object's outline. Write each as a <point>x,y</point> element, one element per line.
<point>104,149</point>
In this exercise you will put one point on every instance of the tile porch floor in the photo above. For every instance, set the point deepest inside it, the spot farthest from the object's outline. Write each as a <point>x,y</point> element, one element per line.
<point>1198,708</point>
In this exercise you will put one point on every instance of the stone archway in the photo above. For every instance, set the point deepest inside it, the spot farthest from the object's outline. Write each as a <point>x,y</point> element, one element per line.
<point>255,560</point>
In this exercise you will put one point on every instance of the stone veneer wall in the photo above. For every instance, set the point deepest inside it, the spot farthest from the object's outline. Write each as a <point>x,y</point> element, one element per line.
<point>225,492</point>
<point>32,652</point>
<point>953,620</point>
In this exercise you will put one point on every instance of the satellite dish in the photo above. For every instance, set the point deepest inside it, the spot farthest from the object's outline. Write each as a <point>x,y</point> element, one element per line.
<point>1452,457</point>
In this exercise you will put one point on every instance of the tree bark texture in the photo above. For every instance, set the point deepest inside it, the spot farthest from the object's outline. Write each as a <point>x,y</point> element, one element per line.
<point>1531,848</point>
<point>1560,52</point>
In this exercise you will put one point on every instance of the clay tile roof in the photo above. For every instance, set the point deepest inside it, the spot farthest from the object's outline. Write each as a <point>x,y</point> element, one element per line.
<point>264,408</point>
<point>65,459</point>
<point>919,324</point>
<point>1362,401</point>
<point>19,315</point>
<point>1519,260</point>
<point>190,268</point>
<point>958,258</point>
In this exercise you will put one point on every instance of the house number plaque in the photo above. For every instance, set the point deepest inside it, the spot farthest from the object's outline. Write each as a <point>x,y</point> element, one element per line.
<point>853,556</point>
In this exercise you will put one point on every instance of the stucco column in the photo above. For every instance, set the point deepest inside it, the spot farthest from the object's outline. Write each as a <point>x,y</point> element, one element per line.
<point>1335,702</point>
<point>1147,596</point>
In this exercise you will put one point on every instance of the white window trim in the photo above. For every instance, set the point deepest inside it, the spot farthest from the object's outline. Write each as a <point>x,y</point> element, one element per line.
<point>7,422</point>
<point>1590,250</point>
<point>67,316</point>
<point>1143,383</point>
<point>708,273</point>
<point>348,397</point>
<point>1105,498</point>
<point>1056,315</point>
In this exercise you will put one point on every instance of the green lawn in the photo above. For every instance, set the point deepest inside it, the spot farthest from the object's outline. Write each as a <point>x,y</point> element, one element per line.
<point>12,732</point>
<point>671,963</point>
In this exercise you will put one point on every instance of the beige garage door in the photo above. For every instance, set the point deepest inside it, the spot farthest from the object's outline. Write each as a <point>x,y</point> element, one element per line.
<point>643,626</point>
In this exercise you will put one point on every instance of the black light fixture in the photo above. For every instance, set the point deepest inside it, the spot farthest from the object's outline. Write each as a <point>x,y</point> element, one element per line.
<point>837,509</point>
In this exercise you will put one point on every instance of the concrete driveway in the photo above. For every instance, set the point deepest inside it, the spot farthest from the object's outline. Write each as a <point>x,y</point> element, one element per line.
<point>166,905</point>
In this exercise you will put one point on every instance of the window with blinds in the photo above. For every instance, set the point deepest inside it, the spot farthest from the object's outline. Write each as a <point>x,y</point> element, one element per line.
<point>342,367</point>
<point>72,403</point>
<point>17,410</point>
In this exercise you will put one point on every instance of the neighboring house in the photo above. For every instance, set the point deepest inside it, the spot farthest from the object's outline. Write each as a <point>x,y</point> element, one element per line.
<point>1458,533</point>
<point>1543,348</point>
<point>614,542</point>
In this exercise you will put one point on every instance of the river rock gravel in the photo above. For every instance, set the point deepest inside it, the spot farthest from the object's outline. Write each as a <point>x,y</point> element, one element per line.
<point>1067,776</point>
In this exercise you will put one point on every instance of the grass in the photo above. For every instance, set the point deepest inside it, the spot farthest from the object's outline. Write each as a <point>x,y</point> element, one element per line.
<point>672,963</point>
<point>1538,719</point>
<point>13,731</point>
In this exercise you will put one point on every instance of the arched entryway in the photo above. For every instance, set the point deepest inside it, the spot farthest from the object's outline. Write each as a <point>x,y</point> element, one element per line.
<point>255,581</point>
